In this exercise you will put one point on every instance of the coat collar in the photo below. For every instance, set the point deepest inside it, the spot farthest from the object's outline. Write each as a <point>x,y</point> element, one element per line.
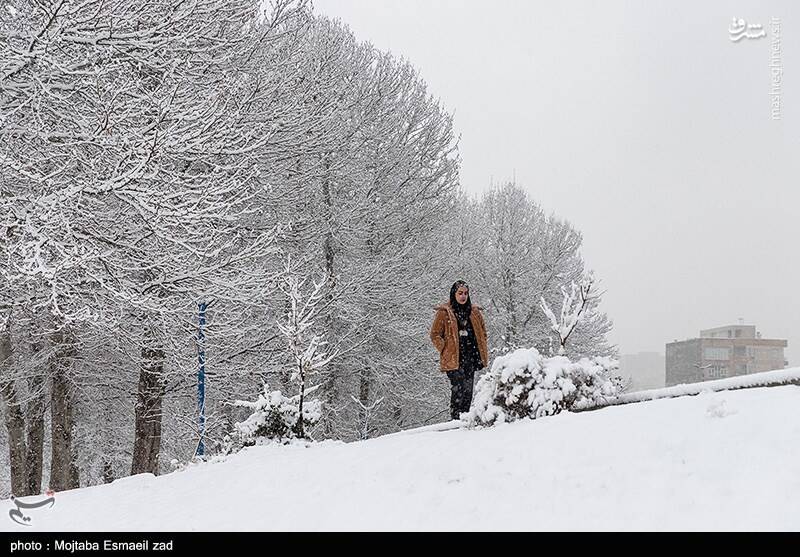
<point>446,306</point>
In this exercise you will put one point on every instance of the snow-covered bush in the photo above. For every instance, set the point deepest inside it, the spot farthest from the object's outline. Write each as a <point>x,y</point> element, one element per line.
<point>275,418</point>
<point>525,384</point>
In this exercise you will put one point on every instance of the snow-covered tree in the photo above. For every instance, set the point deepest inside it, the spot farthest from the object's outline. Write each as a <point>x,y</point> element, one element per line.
<point>129,188</point>
<point>578,301</point>
<point>381,173</point>
<point>525,384</point>
<point>366,414</point>
<point>274,418</point>
<point>307,350</point>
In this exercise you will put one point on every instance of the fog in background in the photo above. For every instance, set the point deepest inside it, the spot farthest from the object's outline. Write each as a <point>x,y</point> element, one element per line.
<point>641,123</point>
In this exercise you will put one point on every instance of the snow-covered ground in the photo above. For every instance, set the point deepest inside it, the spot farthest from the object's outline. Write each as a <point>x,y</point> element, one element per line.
<point>716,461</point>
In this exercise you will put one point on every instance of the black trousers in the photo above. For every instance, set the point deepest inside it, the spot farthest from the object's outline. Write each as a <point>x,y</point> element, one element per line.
<point>461,384</point>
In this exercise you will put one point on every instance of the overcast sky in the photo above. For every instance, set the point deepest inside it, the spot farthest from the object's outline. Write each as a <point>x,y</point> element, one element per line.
<point>642,124</point>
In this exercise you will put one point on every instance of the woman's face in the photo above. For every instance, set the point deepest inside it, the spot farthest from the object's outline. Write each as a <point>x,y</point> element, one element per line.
<point>462,294</point>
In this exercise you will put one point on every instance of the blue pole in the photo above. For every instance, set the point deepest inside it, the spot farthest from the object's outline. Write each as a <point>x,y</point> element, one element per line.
<point>201,378</point>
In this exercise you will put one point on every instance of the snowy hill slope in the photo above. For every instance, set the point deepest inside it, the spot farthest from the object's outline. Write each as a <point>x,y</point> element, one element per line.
<point>716,461</point>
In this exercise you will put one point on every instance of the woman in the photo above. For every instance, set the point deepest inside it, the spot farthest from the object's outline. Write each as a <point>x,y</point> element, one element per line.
<point>459,334</point>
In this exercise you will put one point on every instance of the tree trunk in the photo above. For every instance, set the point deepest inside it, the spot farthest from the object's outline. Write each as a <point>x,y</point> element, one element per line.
<point>332,389</point>
<point>62,474</point>
<point>35,445</point>
<point>150,397</point>
<point>397,412</point>
<point>74,471</point>
<point>15,421</point>
<point>299,426</point>
<point>328,209</point>
<point>363,397</point>
<point>108,472</point>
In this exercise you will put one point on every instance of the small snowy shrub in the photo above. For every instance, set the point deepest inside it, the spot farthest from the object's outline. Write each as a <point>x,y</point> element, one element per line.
<point>275,418</point>
<point>525,384</point>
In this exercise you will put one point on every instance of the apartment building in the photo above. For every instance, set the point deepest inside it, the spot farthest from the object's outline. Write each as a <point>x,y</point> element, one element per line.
<point>723,352</point>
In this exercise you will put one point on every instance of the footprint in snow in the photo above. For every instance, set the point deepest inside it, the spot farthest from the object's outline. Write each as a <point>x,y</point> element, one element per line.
<point>719,410</point>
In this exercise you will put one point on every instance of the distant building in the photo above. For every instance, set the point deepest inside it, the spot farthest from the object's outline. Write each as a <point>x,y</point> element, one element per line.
<point>643,371</point>
<point>723,352</point>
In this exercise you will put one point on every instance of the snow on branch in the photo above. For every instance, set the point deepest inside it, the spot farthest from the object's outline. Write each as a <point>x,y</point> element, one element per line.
<point>574,305</point>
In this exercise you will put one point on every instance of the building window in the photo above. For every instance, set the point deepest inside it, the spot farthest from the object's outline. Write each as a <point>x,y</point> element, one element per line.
<point>769,354</point>
<point>738,333</point>
<point>718,371</point>
<point>740,351</point>
<point>716,353</point>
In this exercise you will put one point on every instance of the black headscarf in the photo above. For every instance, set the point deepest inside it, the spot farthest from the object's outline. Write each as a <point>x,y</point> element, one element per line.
<point>462,311</point>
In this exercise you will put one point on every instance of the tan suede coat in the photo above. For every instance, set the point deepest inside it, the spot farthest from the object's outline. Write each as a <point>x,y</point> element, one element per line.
<point>444,335</point>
